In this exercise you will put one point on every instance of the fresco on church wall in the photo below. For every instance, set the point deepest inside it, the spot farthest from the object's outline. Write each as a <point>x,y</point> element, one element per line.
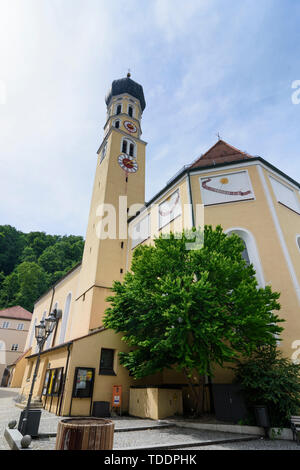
<point>227,187</point>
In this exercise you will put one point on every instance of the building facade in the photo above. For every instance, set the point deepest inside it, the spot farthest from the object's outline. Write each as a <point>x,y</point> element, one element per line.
<point>14,327</point>
<point>244,194</point>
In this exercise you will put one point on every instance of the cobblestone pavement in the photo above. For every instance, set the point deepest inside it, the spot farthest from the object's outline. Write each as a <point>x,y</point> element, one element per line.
<point>173,435</point>
<point>260,444</point>
<point>123,440</point>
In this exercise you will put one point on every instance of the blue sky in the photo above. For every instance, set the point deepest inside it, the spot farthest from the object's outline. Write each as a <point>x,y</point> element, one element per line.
<point>206,66</point>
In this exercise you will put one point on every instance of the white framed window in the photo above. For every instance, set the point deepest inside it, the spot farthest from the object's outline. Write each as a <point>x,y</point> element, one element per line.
<point>32,333</point>
<point>250,253</point>
<point>65,318</point>
<point>118,108</point>
<point>50,337</point>
<point>14,347</point>
<point>5,324</point>
<point>20,326</point>
<point>117,123</point>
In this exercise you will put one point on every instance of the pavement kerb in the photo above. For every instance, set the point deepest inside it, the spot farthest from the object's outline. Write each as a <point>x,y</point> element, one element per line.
<point>284,434</point>
<point>190,444</point>
<point>13,438</point>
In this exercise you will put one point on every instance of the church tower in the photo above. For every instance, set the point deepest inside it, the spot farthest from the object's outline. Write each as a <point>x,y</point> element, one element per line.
<point>119,185</point>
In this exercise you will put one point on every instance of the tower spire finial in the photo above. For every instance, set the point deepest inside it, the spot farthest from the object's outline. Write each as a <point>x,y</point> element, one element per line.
<point>129,73</point>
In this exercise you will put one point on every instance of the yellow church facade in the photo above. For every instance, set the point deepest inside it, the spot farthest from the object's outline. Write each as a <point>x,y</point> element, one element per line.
<point>244,194</point>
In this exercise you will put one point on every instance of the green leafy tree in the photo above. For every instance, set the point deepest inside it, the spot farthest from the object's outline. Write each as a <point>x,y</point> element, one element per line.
<point>25,256</point>
<point>28,254</point>
<point>190,309</point>
<point>12,243</point>
<point>272,380</point>
<point>32,281</point>
<point>9,289</point>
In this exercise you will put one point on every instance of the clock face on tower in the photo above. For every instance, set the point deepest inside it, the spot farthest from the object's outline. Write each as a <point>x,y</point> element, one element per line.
<point>128,164</point>
<point>130,127</point>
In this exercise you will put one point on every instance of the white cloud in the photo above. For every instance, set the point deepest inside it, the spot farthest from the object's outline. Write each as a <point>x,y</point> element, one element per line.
<point>204,68</point>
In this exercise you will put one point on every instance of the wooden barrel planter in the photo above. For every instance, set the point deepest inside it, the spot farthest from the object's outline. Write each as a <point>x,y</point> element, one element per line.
<point>85,434</point>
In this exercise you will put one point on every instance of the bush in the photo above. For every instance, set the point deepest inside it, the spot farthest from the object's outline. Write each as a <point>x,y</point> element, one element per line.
<point>269,379</point>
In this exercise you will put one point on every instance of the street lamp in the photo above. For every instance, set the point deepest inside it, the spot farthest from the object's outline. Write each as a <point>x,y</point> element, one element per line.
<point>42,332</point>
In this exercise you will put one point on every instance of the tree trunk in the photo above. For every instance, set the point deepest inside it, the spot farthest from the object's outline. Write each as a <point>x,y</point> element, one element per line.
<point>195,389</point>
<point>85,434</point>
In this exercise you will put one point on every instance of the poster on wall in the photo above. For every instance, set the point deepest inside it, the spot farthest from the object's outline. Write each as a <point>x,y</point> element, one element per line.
<point>46,383</point>
<point>83,382</point>
<point>227,187</point>
<point>169,209</point>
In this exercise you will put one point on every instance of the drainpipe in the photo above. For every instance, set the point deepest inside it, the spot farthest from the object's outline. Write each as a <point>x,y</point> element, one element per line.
<point>190,198</point>
<point>64,382</point>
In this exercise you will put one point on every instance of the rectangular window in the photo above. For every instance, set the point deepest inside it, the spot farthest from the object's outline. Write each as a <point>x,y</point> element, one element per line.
<point>5,324</point>
<point>14,347</point>
<point>20,326</point>
<point>107,362</point>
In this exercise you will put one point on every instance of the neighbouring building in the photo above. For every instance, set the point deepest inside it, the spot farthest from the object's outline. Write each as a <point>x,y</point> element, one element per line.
<point>244,194</point>
<point>14,327</point>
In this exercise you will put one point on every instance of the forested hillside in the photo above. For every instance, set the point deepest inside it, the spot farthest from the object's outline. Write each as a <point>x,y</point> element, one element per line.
<point>31,262</point>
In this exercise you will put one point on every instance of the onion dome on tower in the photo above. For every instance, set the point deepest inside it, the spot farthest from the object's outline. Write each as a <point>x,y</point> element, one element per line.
<point>126,85</point>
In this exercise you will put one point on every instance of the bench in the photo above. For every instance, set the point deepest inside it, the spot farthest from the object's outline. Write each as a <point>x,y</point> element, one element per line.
<point>295,426</point>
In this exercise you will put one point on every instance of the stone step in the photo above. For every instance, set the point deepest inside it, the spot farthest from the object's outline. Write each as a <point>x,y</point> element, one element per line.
<point>34,405</point>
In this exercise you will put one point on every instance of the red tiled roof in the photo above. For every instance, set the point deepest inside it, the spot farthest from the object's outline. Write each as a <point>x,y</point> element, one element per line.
<point>221,152</point>
<point>16,312</point>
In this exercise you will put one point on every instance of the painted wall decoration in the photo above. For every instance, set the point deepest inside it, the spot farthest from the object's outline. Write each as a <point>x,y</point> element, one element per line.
<point>141,231</point>
<point>228,187</point>
<point>285,195</point>
<point>169,209</point>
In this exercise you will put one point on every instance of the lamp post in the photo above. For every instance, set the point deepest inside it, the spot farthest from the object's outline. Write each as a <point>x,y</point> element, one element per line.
<point>42,332</point>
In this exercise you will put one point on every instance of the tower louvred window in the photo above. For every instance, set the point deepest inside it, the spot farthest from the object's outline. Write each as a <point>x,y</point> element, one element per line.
<point>124,146</point>
<point>130,111</point>
<point>131,150</point>
<point>119,109</point>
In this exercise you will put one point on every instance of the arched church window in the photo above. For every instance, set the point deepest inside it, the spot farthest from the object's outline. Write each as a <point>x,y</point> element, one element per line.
<point>130,111</point>
<point>128,147</point>
<point>245,254</point>
<point>65,318</point>
<point>117,124</point>
<point>250,253</point>
<point>50,337</point>
<point>119,109</point>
